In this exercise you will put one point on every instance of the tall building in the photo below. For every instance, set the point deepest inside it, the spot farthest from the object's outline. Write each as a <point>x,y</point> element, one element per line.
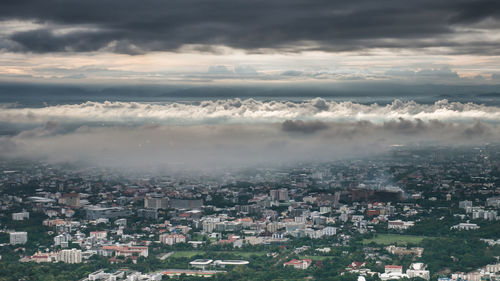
<point>70,256</point>
<point>274,194</point>
<point>18,237</point>
<point>279,194</point>
<point>186,203</point>
<point>171,239</point>
<point>156,203</point>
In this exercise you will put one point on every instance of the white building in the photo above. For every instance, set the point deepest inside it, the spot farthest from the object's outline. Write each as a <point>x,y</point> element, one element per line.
<point>400,225</point>
<point>20,216</point>
<point>62,240</point>
<point>18,237</point>
<point>418,270</point>
<point>465,226</point>
<point>393,272</point>
<point>171,239</point>
<point>325,209</point>
<point>70,256</point>
<point>329,231</point>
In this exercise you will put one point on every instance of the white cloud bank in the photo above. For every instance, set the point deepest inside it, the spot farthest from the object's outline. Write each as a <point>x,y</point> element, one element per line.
<point>236,111</point>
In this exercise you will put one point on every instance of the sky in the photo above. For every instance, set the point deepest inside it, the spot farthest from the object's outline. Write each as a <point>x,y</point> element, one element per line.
<point>221,42</point>
<point>197,84</point>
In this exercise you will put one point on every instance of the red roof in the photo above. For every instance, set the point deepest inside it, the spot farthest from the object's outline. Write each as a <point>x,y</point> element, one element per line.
<point>298,262</point>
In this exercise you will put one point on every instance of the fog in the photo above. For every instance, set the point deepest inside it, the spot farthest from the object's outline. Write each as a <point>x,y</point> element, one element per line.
<point>226,144</point>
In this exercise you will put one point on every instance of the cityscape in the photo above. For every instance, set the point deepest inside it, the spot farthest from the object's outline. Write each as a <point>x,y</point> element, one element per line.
<point>343,218</point>
<point>249,140</point>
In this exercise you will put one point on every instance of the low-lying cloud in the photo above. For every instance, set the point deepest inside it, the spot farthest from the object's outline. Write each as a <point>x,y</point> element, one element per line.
<point>219,146</point>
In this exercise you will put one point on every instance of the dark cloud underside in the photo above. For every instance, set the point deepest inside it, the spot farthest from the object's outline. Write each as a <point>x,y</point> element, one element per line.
<point>140,26</point>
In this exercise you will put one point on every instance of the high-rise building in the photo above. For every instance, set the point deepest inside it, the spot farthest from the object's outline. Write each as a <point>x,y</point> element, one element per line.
<point>279,194</point>
<point>20,237</point>
<point>70,256</point>
<point>156,203</point>
<point>171,239</point>
<point>283,194</point>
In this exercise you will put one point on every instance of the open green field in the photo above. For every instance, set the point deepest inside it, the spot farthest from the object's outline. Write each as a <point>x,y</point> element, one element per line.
<point>189,254</point>
<point>186,254</point>
<point>316,258</point>
<point>387,239</point>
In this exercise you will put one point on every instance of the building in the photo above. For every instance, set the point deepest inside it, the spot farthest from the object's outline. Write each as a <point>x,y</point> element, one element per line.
<point>71,199</point>
<point>329,231</point>
<point>94,212</point>
<point>20,216</point>
<point>171,239</point>
<point>279,194</point>
<point>99,234</point>
<point>156,203</point>
<point>418,270</point>
<point>40,257</point>
<point>209,224</point>
<point>223,263</point>
<point>484,214</point>
<point>400,225</point>
<point>298,264</point>
<point>464,204</point>
<point>70,256</point>
<point>465,226</point>
<point>201,263</point>
<point>62,240</point>
<point>186,203</point>
<point>148,213</point>
<point>273,227</point>
<point>18,237</point>
<point>393,272</point>
<point>402,251</point>
<point>125,250</point>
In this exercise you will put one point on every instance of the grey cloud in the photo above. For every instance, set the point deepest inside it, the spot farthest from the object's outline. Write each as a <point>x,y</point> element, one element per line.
<point>427,74</point>
<point>245,70</point>
<point>234,145</point>
<point>303,126</point>
<point>133,27</point>
<point>219,69</point>
<point>478,130</point>
<point>292,73</point>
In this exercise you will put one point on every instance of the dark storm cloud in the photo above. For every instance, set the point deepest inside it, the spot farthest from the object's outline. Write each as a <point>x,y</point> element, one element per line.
<point>139,26</point>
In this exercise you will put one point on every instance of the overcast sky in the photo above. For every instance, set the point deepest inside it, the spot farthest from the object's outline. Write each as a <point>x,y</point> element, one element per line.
<point>450,42</point>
